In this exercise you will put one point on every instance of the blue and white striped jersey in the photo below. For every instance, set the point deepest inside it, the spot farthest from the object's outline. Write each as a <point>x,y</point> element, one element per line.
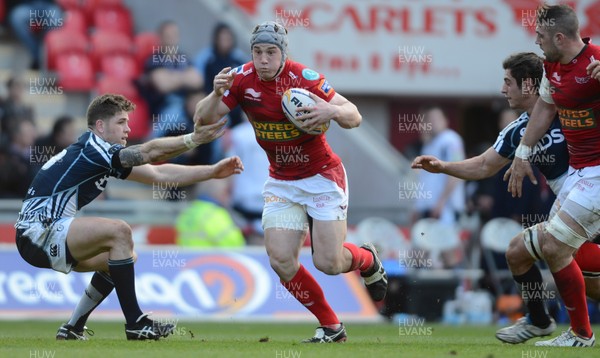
<point>72,179</point>
<point>550,156</point>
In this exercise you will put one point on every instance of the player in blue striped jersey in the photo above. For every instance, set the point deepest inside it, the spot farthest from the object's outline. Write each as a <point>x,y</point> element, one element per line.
<point>49,236</point>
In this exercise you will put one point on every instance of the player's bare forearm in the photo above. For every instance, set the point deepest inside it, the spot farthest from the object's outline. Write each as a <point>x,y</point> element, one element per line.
<point>153,151</point>
<point>209,109</point>
<point>347,115</point>
<point>186,174</point>
<point>540,120</point>
<point>344,112</point>
<point>480,167</point>
<point>161,149</point>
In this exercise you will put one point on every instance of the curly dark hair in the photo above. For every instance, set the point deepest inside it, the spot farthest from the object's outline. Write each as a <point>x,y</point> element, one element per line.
<point>523,66</point>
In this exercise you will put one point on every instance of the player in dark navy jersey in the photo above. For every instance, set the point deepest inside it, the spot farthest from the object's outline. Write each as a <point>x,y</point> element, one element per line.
<point>569,89</point>
<point>49,236</point>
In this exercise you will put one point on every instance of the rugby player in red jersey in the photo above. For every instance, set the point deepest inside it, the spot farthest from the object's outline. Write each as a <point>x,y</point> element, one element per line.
<point>571,87</point>
<point>306,187</point>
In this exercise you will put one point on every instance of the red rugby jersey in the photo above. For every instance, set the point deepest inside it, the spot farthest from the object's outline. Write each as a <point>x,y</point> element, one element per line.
<point>577,98</point>
<point>292,153</point>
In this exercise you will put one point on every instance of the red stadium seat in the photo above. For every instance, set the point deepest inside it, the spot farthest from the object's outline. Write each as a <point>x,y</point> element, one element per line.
<point>75,72</point>
<point>69,4</point>
<point>119,65</point>
<point>108,84</point>
<point>75,21</point>
<point>89,6</point>
<point>108,43</point>
<point>63,41</point>
<point>145,43</point>
<point>113,18</point>
<point>2,10</point>
<point>139,120</point>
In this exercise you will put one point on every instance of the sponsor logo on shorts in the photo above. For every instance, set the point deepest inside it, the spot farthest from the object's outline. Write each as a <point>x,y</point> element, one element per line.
<point>575,119</point>
<point>274,199</point>
<point>319,198</point>
<point>54,250</point>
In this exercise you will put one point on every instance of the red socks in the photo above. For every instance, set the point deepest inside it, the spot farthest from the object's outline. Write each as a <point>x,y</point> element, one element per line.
<point>307,291</point>
<point>571,286</point>
<point>362,259</point>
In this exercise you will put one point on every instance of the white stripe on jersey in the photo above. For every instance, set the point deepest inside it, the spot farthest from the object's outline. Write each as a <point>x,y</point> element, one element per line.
<point>510,127</point>
<point>99,147</point>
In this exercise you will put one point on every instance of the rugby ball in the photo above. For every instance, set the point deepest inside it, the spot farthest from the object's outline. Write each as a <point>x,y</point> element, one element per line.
<point>298,97</point>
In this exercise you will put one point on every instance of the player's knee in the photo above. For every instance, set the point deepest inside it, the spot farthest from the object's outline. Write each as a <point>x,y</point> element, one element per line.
<point>121,233</point>
<point>513,253</point>
<point>282,264</point>
<point>327,264</point>
<point>592,288</point>
<point>554,250</point>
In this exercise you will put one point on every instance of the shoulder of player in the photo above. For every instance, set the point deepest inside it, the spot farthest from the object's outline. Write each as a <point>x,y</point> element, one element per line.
<point>593,50</point>
<point>516,125</point>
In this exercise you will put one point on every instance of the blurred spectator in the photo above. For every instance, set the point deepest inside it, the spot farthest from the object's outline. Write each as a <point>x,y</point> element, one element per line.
<point>206,222</point>
<point>13,108</point>
<point>63,134</point>
<point>30,21</point>
<point>483,191</point>
<point>168,76</point>
<point>246,197</point>
<point>16,171</point>
<point>223,52</point>
<point>445,195</point>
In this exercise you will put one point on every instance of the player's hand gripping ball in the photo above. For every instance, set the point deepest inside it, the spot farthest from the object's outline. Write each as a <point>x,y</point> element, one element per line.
<point>298,97</point>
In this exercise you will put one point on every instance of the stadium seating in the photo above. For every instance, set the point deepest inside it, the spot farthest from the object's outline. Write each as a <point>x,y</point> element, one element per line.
<point>75,72</point>
<point>139,121</point>
<point>75,20</point>
<point>435,237</point>
<point>69,4</point>
<point>144,46</point>
<point>119,65</point>
<point>2,11</point>
<point>107,43</point>
<point>108,84</point>
<point>63,41</point>
<point>113,18</point>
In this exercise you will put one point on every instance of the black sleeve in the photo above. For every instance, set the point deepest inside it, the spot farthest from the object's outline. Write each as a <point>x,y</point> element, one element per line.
<point>117,169</point>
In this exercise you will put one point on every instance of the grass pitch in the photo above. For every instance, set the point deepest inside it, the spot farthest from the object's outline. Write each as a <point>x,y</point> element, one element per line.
<point>35,339</point>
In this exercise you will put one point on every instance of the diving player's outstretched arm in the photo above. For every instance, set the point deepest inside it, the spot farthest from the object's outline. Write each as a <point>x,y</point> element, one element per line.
<point>161,149</point>
<point>480,167</point>
<point>184,175</point>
